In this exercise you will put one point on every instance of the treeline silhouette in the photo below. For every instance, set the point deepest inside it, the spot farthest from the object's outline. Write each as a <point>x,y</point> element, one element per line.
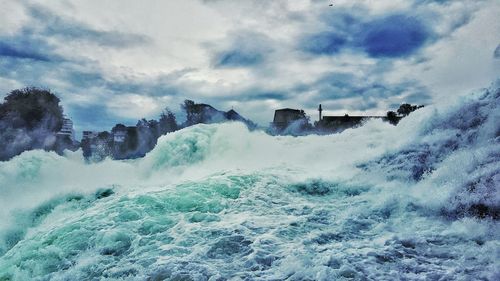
<point>30,118</point>
<point>404,110</point>
<point>135,141</point>
<point>129,142</point>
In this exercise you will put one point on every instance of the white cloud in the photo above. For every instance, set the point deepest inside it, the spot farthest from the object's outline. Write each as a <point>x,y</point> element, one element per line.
<point>13,17</point>
<point>177,29</point>
<point>186,34</point>
<point>133,106</point>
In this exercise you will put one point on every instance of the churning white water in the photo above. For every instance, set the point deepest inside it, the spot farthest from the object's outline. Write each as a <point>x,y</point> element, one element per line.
<point>419,201</point>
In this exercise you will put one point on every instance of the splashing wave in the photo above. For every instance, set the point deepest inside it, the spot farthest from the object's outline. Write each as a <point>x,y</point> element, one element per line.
<point>217,202</point>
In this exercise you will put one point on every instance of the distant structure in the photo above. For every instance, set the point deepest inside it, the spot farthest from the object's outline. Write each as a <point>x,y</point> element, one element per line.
<point>67,129</point>
<point>88,135</point>
<point>342,122</point>
<point>197,113</point>
<point>119,136</point>
<point>288,121</point>
<point>130,142</point>
<point>286,116</point>
<point>89,145</point>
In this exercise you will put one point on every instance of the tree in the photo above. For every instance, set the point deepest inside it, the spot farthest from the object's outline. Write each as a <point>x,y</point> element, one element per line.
<point>193,114</point>
<point>34,107</point>
<point>147,132</point>
<point>200,113</point>
<point>154,127</point>
<point>405,109</point>
<point>305,124</point>
<point>167,122</point>
<point>392,117</point>
<point>188,106</point>
<point>29,119</point>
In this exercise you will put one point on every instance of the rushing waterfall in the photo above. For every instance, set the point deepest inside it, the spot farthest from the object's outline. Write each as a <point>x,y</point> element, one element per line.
<point>218,202</point>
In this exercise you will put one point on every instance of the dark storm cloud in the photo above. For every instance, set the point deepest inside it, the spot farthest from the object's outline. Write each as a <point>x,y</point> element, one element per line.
<point>52,25</point>
<point>32,41</point>
<point>307,34</point>
<point>87,80</point>
<point>393,36</point>
<point>324,43</point>
<point>26,45</point>
<point>242,49</point>
<point>337,86</point>
<point>269,96</point>
<point>388,36</point>
<point>84,79</point>
<point>30,57</point>
<point>80,75</point>
<point>238,58</point>
<point>20,51</point>
<point>163,85</point>
<point>330,39</point>
<point>254,94</point>
<point>28,73</point>
<point>346,85</point>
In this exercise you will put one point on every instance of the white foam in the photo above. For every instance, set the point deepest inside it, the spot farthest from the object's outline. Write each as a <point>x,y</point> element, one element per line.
<point>214,201</point>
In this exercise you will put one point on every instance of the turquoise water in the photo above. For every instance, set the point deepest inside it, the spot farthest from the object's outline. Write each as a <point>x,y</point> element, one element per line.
<point>217,202</point>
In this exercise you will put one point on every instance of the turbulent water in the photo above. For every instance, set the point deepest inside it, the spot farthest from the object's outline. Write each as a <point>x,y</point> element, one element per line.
<point>419,201</point>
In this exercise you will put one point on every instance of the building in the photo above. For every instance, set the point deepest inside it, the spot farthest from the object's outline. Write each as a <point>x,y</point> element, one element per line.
<point>88,135</point>
<point>67,129</point>
<point>342,122</point>
<point>119,136</point>
<point>286,116</point>
<point>120,132</point>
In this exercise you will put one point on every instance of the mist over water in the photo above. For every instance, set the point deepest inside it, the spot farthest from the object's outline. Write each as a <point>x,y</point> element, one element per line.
<point>418,201</point>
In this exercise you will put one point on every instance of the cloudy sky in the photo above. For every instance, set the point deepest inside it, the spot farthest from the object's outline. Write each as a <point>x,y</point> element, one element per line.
<point>120,60</point>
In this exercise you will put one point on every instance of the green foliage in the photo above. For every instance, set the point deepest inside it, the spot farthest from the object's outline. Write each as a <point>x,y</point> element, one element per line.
<point>30,107</point>
<point>29,119</point>
<point>168,122</point>
<point>405,109</point>
<point>392,117</point>
<point>194,112</point>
